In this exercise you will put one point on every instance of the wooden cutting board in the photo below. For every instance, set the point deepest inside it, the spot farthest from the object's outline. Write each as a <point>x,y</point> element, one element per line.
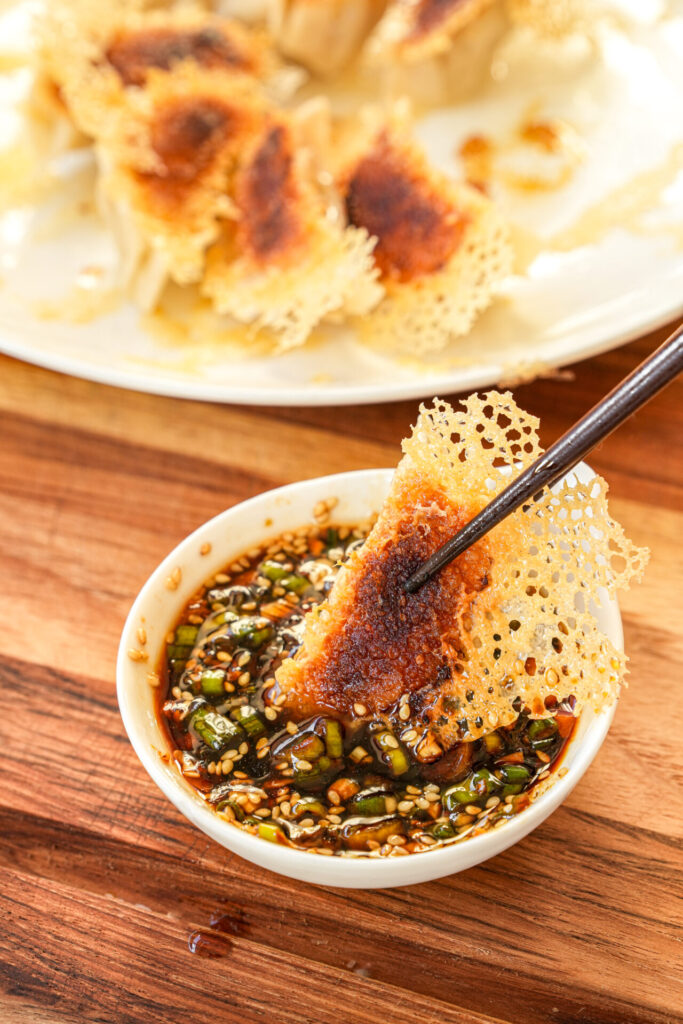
<point>101,880</point>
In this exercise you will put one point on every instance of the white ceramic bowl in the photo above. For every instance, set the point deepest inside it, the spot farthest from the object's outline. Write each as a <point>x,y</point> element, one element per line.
<point>157,609</point>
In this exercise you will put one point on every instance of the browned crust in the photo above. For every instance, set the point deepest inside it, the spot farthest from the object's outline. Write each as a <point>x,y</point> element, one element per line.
<point>188,134</point>
<point>390,194</point>
<point>381,642</point>
<point>268,199</point>
<point>133,53</point>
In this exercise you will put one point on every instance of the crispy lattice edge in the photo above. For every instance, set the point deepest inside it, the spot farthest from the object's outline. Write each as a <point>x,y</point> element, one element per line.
<point>72,36</point>
<point>423,315</point>
<point>184,233</point>
<point>532,634</point>
<point>329,273</point>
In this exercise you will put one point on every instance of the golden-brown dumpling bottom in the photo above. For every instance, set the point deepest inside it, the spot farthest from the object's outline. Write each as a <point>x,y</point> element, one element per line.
<point>213,43</point>
<point>441,247</point>
<point>286,261</point>
<point>498,629</point>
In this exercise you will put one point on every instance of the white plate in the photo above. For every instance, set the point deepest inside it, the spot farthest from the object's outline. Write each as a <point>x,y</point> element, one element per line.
<point>574,300</point>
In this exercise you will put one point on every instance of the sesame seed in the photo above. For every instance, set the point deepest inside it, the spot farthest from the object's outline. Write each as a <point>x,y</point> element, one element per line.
<point>409,735</point>
<point>304,765</point>
<point>224,656</point>
<point>153,679</point>
<point>176,692</point>
<point>204,550</point>
<point>279,701</point>
<point>228,687</point>
<point>271,714</point>
<point>291,728</point>
<point>222,577</point>
<point>263,752</point>
<point>432,797</point>
<point>135,655</point>
<point>405,806</point>
<point>542,756</point>
<point>390,804</point>
<point>360,709</point>
<point>235,569</point>
<point>306,822</point>
<point>262,742</point>
<point>244,679</point>
<point>404,712</point>
<point>414,790</point>
<point>472,809</point>
<point>358,753</point>
<point>396,840</point>
<point>391,742</point>
<point>428,840</point>
<point>141,635</point>
<point>334,818</point>
<point>172,582</point>
<point>282,765</point>
<point>333,796</point>
<point>320,509</point>
<point>262,812</point>
<point>227,765</point>
<point>492,802</point>
<point>372,844</point>
<point>211,768</point>
<point>244,659</point>
<point>243,748</point>
<point>170,637</point>
<point>195,620</point>
<point>241,775</point>
<point>232,754</point>
<point>422,803</point>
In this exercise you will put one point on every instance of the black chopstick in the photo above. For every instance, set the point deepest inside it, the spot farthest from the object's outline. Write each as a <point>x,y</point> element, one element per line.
<point>626,398</point>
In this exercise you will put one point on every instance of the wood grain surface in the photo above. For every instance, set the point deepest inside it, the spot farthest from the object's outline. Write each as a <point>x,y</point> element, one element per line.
<point>102,881</point>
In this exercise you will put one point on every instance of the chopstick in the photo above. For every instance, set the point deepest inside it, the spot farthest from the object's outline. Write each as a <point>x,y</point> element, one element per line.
<point>639,387</point>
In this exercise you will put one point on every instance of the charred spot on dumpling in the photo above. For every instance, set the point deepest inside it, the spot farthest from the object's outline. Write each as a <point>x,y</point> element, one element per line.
<point>132,54</point>
<point>388,642</point>
<point>417,229</point>
<point>267,197</point>
<point>187,135</point>
<point>189,132</point>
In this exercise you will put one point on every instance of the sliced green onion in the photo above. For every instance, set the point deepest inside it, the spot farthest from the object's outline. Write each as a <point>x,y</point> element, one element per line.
<point>334,740</point>
<point>212,682</point>
<point>213,729</point>
<point>249,719</point>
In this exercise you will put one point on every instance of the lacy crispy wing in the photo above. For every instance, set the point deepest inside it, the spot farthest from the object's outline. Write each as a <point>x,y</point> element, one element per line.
<point>500,629</point>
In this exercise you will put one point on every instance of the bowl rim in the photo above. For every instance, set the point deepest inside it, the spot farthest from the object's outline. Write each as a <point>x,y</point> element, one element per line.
<point>347,872</point>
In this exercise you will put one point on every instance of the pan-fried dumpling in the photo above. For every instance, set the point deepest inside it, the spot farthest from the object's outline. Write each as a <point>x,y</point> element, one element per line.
<point>323,35</point>
<point>286,261</point>
<point>437,50</point>
<point>94,55</point>
<point>166,164</point>
<point>441,247</point>
<point>497,630</point>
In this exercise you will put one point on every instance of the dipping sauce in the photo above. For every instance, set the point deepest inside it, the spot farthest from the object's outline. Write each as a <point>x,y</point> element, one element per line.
<point>328,785</point>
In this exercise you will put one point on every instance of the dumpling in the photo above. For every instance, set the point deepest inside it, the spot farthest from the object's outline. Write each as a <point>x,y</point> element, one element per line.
<point>500,628</point>
<point>323,35</point>
<point>94,55</point>
<point>441,249</point>
<point>286,261</point>
<point>437,51</point>
<point>166,167</point>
